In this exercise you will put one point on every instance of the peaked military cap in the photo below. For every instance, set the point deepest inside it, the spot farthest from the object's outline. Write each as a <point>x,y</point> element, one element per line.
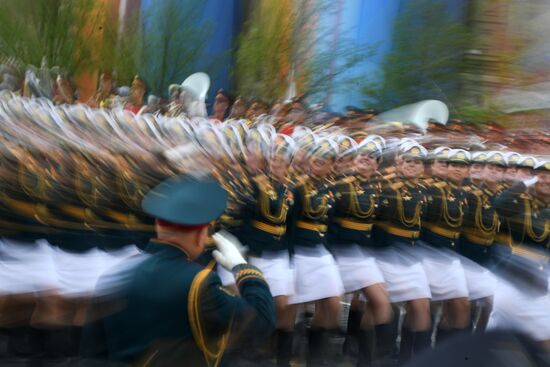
<point>413,150</point>
<point>527,162</point>
<point>440,153</point>
<point>458,156</point>
<point>543,166</point>
<point>496,158</point>
<point>479,157</point>
<point>513,158</point>
<point>185,201</point>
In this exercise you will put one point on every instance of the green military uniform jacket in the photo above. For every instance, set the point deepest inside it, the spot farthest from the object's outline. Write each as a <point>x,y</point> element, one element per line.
<point>442,219</point>
<point>168,310</point>
<point>401,206</point>
<point>310,216</point>
<point>265,216</point>
<point>355,210</point>
<point>480,224</point>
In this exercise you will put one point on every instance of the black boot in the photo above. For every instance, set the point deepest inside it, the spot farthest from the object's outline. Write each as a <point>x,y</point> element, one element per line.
<point>352,331</point>
<point>25,341</point>
<point>422,341</point>
<point>385,340</point>
<point>442,336</point>
<point>315,342</point>
<point>366,343</point>
<point>406,346</point>
<point>284,347</point>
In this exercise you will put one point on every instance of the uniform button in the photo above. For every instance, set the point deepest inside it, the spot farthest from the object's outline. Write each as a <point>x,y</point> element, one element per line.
<point>452,244</point>
<point>322,234</point>
<point>368,236</point>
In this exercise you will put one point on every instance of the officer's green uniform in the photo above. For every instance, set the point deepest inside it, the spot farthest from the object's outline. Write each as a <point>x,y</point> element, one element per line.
<point>171,310</point>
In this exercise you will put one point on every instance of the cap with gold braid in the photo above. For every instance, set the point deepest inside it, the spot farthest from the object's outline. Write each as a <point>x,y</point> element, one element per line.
<point>543,166</point>
<point>496,158</point>
<point>440,153</point>
<point>325,148</point>
<point>458,156</point>
<point>370,147</point>
<point>413,150</point>
<point>527,162</point>
<point>479,157</point>
<point>513,158</point>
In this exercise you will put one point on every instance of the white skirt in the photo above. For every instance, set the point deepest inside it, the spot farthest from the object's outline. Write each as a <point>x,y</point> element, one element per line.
<point>444,271</point>
<point>78,273</point>
<point>357,266</point>
<point>317,275</point>
<point>520,311</point>
<point>27,267</point>
<point>404,275</point>
<point>278,272</point>
<point>480,281</point>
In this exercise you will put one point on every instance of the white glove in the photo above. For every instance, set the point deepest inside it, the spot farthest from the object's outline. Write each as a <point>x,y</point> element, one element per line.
<point>229,250</point>
<point>530,182</point>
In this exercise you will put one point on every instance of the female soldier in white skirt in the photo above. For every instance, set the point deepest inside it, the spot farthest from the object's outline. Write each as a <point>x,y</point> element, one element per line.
<point>397,232</point>
<point>440,232</point>
<point>264,232</point>
<point>352,245</point>
<point>317,276</point>
<point>478,235</point>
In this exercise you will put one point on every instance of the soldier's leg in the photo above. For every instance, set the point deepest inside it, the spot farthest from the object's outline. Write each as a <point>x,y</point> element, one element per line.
<point>286,318</point>
<point>356,311</point>
<point>376,333</point>
<point>323,324</point>
<point>486,306</point>
<point>455,319</point>
<point>416,333</point>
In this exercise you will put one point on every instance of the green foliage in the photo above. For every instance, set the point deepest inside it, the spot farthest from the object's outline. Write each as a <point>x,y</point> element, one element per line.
<point>56,30</point>
<point>173,42</point>
<point>162,46</point>
<point>282,38</point>
<point>425,59</point>
<point>478,114</point>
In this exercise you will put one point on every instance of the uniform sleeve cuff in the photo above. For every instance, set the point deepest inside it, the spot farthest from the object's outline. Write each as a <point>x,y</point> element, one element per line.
<point>245,272</point>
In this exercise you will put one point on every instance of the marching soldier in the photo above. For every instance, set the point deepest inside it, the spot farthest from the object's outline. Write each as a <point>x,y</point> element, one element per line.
<point>397,231</point>
<point>314,265</point>
<point>351,240</point>
<point>265,234</point>
<point>153,326</point>
<point>441,226</point>
<point>479,231</point>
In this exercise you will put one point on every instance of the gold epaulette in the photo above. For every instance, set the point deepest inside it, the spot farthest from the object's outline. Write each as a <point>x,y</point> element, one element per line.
<point>389,170</point>
<point>300,180</point>
<point>260,179</point>
<point>477,192</point>
<point>440,184</point>
<point>389,176</point>
<point>428,181</point>
<point>346,180</point>
<point>397,185</point>
<point>467,188</point>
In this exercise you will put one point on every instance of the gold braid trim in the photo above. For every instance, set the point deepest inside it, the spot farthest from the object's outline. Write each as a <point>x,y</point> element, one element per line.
<point>248,273</point>
<point>212,357</point>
